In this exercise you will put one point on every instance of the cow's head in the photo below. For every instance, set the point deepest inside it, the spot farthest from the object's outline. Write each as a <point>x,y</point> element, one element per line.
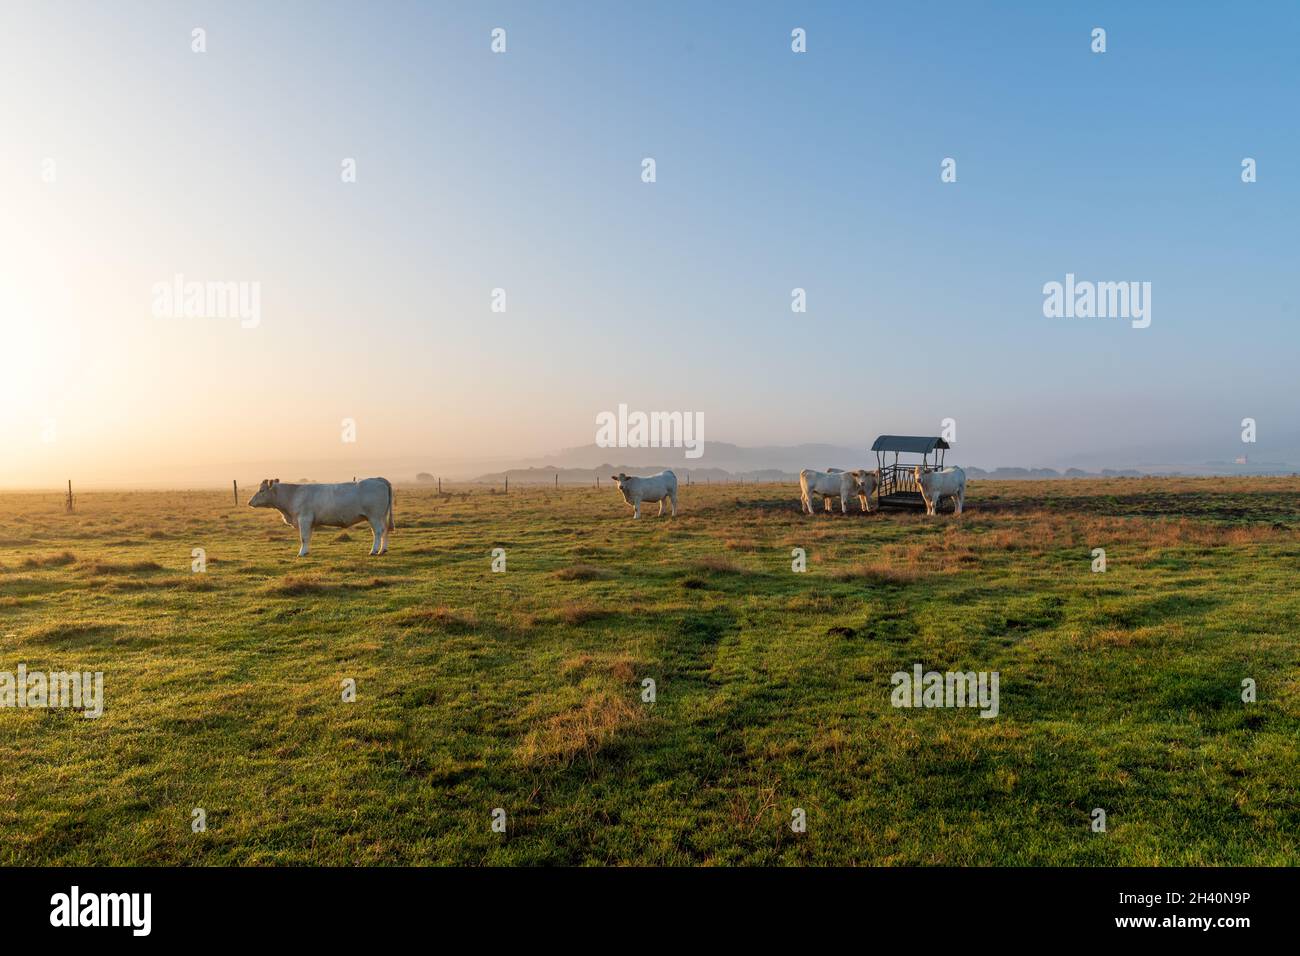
<point>619,479</point>
<point>265,496</point>
<point>922,477</point>
<point>867,480</point>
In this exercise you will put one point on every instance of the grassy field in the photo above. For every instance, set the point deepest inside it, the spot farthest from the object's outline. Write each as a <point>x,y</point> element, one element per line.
<point>523,690</point>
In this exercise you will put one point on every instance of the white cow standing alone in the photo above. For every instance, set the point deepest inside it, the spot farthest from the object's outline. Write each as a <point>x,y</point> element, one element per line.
<point>827,484</point>
<point>937,485</point>
<point>331,506</point>
<point>661,487</point>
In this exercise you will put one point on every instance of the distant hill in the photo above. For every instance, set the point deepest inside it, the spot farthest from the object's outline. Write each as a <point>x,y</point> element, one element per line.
<point>726,462</point>
<point>547,475</point>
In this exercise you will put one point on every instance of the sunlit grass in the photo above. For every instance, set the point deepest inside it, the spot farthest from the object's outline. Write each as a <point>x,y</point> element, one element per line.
<point>524,689</point>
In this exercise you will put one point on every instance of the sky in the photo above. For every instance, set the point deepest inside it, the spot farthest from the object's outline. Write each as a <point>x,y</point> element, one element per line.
<point>127,158</point>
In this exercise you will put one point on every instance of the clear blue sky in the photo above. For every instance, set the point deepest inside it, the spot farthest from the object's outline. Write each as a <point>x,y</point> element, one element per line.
<point>775,170</point>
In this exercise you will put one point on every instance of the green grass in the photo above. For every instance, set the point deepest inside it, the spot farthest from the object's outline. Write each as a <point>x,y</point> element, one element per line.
<point>522,690</point>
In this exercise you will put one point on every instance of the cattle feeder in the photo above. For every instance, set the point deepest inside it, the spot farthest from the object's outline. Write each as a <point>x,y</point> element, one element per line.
<point>898,487</point>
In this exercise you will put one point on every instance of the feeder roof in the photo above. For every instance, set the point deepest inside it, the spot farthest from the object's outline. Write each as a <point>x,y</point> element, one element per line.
<point>911,444</point>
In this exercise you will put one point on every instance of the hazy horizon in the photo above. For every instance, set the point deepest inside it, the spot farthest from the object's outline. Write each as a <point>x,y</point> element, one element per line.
<point>129,159</point>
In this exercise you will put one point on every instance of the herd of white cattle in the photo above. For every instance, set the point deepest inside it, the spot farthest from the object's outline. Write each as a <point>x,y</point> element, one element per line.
<point>826,485</point>
<point>832,483</point>
<point>309,506</point>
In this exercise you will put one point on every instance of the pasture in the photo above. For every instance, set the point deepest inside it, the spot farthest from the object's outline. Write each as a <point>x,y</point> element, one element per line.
<point>523,689</point>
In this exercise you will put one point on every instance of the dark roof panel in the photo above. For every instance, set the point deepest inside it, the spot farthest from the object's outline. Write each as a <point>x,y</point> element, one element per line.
<point>911,444</point>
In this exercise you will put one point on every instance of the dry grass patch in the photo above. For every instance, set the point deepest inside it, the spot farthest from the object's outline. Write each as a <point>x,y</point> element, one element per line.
<point>296,585</point>
<point>581,731</point>
<point>621,668</point>
<point>50,560</point>
<point>1119,637</point>
<point>575,613</point>
<point>584,572</point>
<point>440,618</point>
<point>877,573</point>
<point>717,565</point>
<point>72,632</point>
<point>119,567</point>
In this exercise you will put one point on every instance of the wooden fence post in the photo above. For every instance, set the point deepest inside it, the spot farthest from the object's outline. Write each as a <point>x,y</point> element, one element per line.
<point>68,502</point>
<point>234,483</point>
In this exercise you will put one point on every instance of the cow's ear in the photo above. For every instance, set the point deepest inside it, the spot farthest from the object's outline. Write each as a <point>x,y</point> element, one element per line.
<point>266,482</point>
<point>275,481</point>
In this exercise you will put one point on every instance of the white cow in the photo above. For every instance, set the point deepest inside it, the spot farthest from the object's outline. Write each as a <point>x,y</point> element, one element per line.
<point>827,484</point>
<point>826,499</point>
<point>661,487</point>
<point>331,506</point>
<point>937,485</point>
<point>868,482</point>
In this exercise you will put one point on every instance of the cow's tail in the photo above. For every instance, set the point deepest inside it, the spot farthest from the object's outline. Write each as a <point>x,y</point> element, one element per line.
<point>389,517</point>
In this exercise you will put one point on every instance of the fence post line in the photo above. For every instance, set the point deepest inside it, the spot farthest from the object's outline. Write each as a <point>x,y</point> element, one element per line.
<point>234,484</point>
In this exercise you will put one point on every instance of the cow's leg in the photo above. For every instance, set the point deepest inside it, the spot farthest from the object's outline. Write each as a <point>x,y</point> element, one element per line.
<point>661,507</point>
<point>805,508</point>
<point>304,534</point>
<point>377,528</point>
<point>961,500</point>
<point>844,502</point>
<point>674,502</point>
<point>636,508</point>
